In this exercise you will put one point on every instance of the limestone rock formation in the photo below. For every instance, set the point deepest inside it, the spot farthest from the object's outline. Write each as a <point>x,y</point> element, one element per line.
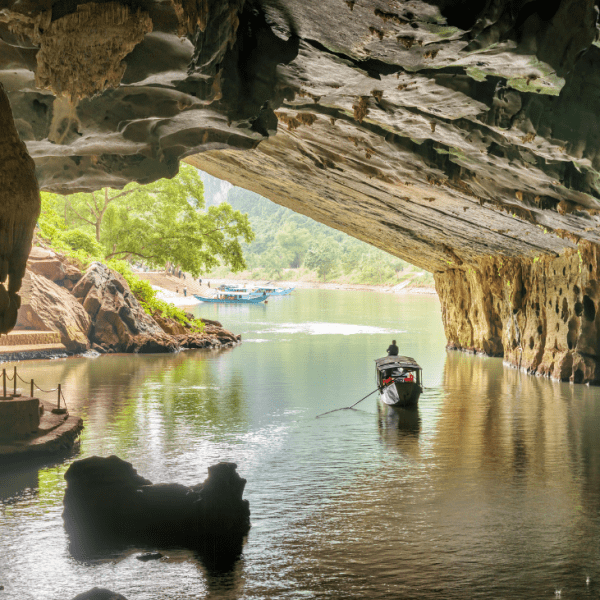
<point>99,594</point>
<point>49,307</point>
<point>213,336</point>
<point>19,209</point>
<point>456,135</point>
<point>55,268</point>
<point>106,501</point>
<point>119,323</point>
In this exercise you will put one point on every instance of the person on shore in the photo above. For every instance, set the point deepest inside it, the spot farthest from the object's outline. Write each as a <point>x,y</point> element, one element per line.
<point>209,284</point>
<point>393,349</point>
<point>177,290</point>
<point>200,280</point>
<point>184,290</point>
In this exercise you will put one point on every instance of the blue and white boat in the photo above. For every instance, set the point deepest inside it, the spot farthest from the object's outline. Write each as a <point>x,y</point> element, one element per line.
<point>230,297</point>
<point>270,290</point>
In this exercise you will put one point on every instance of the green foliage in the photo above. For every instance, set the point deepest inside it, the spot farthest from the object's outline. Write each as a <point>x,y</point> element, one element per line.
<point>322,258</point>
<point>287,240</point>
<point>77,239</point>
<point>158,223</point>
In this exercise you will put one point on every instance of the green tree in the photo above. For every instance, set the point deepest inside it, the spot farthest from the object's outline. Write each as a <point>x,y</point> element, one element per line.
<point>295,241</point>
<point>160,222</point>
<point>322,257</point>
<point>274,261</point>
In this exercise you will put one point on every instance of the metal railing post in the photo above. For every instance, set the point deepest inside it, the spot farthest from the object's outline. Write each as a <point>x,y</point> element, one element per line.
<point>58,396</point>
<point>4,383</point>
<point>15,382</point>
<point>32,388</point>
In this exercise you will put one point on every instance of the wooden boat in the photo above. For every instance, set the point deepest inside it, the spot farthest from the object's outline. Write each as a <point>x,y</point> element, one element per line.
<point>399,380</point>
<point>229,297</point>
<point>275,291</point>
<point>270,290</point>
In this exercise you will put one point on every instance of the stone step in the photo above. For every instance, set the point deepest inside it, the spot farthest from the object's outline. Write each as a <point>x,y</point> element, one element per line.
<point>31,348</point>
<point>28,338</point>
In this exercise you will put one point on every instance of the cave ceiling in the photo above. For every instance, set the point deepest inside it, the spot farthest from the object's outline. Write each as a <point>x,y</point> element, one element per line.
<point>442,131</point>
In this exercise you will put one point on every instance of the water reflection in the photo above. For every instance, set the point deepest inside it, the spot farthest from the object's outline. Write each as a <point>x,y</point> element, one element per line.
<point>488,490</point>
<point>399,428</point>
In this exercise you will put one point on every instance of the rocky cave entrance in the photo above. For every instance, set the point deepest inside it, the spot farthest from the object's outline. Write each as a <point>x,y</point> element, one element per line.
<point>461,137</point>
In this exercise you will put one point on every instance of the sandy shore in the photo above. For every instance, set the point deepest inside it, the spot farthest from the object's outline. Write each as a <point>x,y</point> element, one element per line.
<point>315,285</point>
<point>170,288</point>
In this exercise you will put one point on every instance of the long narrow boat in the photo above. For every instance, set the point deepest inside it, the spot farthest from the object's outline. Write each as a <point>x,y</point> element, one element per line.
<point>274,291</point>
<point>399,380</point>
<point>229,297</point>
<point>270,290</point>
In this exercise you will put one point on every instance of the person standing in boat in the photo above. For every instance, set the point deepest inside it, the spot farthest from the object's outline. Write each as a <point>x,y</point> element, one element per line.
<point>393,349</point>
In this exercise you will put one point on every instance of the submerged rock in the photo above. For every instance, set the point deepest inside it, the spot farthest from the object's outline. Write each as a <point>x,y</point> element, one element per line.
<point>99,594</point>
<point>107,503</point>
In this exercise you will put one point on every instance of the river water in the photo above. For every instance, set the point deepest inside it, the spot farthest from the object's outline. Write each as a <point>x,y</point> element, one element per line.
<point>491,489</point>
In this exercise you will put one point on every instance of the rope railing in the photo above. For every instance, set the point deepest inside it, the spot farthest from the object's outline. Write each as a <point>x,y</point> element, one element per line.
<point>33,386</point>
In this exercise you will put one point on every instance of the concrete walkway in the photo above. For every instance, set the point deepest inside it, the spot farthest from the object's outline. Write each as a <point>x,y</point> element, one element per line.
<point>56,433</point>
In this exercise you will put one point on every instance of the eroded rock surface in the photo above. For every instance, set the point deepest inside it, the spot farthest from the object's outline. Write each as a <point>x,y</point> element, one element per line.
<point>55,268</point>
<point>539,314</point>
<point>49,307</point>
<point>453,134</point>
<point>119,323</point>
<point>106,501</point>
<point>99,594</point>
<point>19,210</point>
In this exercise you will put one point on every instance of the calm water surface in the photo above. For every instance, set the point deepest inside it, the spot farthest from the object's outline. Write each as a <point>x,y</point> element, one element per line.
<point>491,489</point>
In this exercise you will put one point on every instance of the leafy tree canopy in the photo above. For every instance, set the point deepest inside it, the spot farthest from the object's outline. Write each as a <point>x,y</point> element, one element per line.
<point>160,222</point>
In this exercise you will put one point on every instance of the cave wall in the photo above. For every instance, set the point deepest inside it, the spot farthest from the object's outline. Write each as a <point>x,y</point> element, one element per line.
<point>541,314</point>
<point>19,210</point>
<point>462,136</point>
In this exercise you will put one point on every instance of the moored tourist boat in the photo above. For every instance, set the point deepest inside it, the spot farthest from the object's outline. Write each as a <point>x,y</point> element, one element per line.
<point>274,291</point>
<point>398,380</point>
<point>270,290</point>
<point>229,297</point>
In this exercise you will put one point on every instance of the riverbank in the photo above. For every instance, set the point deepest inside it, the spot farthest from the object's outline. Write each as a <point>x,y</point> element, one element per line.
<point>170,288</point>
<point>96,310</point>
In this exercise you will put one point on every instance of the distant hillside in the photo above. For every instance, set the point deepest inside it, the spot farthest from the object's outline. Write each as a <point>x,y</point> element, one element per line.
<point>286,240</point>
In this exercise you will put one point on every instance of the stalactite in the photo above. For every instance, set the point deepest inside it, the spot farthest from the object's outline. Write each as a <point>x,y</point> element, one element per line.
<point>19,210</point>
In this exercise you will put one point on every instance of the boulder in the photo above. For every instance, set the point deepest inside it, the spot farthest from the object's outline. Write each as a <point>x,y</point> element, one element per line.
<point>170,326</point>
<point>54,267</point>
<point>47,306</point>
<point>107,502</point>
<point>119,323</point>
<point>99,594</point>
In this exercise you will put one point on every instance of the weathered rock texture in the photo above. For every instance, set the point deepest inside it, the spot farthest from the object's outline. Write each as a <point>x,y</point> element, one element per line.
<point>107,501</point>
<point>541,314</point>
<point>55,268</point>
<point>19,209</point>
<point>99,594</point>
<point>452,134</point>
<point>119,323</point>
<point>49,307</point>
<point>96,310</point>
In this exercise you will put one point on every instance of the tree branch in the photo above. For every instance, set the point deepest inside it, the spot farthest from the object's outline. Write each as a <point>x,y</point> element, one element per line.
<point>130,253</point>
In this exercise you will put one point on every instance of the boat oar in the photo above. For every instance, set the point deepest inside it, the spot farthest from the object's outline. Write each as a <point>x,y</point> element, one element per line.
<point>348,407</point>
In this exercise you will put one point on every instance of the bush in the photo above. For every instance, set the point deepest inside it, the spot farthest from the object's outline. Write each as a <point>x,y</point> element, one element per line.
<point>78,239</point>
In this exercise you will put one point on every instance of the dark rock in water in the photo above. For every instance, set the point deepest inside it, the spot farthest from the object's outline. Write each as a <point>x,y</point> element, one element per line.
<point>107,503</point>
<point>99,594</point>
<point>119,323</point>
<point>150,556</point>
